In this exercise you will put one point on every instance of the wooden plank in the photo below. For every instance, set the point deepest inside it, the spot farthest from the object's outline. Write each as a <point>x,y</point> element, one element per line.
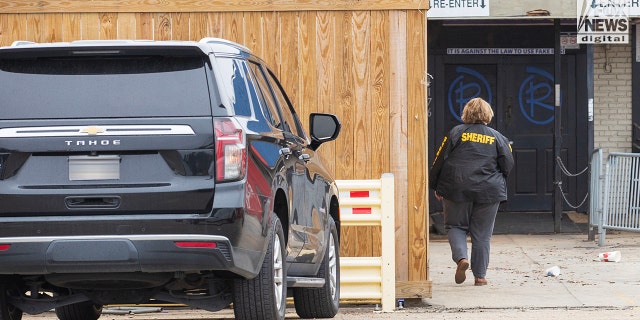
<point>53,30</point>
<point>90,29</point>
<point>198,23</point>
<point>307,77</point>
<point>5,31</point>
<point>16,28</point>
<point>426,156</point>
<point>108,26</point>
<point>379,110</point>
<point>36,28</point>
<point>68,6</point>
<point>397,134</point>
<point>343,109</point>
<point>252,32</point>
<point>126,26</point>
<point>216,24</point>
<point>71,27</point>
<point>180,26</point>
<point>144,31</point>
<point>290,59</point>
<point>414,289</point>
<point>270,39</point>
<point>162,26</point>
<point>344,92</point>
<point>368,237</point>
<point>325,57</point>
<point>417,111</point>
<point>233,24</point>
<point>361,99</point>
<point>380,64</point>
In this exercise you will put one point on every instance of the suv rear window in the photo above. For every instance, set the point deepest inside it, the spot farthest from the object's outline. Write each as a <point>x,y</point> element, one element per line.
<point>104,86</point>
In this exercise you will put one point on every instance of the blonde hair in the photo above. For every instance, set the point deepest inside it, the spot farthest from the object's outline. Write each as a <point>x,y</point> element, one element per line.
<point>477,110</point>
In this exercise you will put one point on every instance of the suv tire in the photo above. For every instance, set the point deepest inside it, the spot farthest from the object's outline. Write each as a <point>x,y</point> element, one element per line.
<point>8,311</point>
<point>264,297</point>
<point>323,302</point>
<point>85,310</point>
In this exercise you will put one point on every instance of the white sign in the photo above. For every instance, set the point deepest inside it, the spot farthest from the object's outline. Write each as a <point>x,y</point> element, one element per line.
<point>603,21</point>
<point>458,8</point>
<point>501,51</point>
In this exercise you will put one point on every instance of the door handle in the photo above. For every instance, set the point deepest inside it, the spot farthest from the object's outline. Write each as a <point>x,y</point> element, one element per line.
<point>286,152</point>
<point>304,157</point>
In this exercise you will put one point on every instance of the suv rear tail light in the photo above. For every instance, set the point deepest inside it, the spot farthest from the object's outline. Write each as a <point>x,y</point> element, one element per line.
<point>196,244</point>
<point>4,247</point>
<point>231,154</point>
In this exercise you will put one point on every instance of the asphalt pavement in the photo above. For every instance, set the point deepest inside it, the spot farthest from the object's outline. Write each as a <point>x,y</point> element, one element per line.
<point>518,288</point>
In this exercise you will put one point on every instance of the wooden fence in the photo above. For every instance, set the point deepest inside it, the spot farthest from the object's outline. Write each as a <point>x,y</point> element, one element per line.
<point>362,60</point>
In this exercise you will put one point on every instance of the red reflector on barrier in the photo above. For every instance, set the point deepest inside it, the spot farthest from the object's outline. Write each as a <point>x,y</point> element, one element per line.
<point>196,244</point>
<point>359,194</point>
<point>361,211</point>
<point>4,247</point>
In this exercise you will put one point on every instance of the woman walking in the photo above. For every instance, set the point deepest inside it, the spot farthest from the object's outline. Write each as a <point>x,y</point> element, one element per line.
<point>469,176</point>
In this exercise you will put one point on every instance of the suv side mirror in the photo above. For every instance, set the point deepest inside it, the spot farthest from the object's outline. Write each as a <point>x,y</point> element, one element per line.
<point>324,127</point>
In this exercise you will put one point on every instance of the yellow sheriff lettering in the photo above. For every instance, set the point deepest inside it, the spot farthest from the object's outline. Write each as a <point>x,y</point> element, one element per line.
<point>477,137</point>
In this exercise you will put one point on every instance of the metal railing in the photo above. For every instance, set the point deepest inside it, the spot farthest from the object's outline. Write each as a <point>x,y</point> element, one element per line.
<point>595,190</point>
<point>621,196</point>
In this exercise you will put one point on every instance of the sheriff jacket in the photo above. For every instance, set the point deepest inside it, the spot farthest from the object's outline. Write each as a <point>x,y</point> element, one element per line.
<point>472,164</point>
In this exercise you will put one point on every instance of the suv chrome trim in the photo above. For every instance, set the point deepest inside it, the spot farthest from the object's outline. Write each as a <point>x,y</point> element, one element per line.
<point>107,130</point>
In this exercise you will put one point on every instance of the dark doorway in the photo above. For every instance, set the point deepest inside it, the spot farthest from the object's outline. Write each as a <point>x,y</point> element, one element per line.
<point>519,84</point>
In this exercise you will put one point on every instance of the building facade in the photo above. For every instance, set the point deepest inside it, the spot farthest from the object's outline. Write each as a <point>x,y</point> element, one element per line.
<point>504,51</point>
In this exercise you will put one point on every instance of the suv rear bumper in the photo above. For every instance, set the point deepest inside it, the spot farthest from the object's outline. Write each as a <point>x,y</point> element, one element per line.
<point>116,254</point>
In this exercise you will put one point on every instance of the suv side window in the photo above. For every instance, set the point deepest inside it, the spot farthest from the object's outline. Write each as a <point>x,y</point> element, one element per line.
<point>271,110</point>
<point>288,114</point>
<point>244,96</point>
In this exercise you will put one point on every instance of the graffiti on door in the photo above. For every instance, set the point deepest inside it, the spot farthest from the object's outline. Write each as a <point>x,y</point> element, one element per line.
<point>536,96</point>
<point>467,85</point>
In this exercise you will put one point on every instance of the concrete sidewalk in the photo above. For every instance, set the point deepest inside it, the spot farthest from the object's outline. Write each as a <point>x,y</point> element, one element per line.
<point>517,276</point>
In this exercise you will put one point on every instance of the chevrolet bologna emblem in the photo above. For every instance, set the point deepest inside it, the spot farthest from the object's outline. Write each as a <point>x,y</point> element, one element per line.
<point>92,130</point>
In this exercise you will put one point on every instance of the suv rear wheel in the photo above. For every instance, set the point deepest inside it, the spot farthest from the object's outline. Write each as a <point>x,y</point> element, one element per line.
<point>323,302</point>
<point>8,311</point>
<point>85,310</point>
<point>264,297</point>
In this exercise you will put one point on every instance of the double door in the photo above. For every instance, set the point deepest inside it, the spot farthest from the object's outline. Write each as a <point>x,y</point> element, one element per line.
<point>521,92</point>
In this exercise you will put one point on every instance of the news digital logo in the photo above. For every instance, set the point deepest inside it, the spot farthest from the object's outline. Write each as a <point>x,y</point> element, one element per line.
<point>603,21</point>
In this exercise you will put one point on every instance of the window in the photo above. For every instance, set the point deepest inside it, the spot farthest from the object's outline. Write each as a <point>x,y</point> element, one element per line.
<point>144,85</point>
<point>241,90</point>
<point>270,110</point>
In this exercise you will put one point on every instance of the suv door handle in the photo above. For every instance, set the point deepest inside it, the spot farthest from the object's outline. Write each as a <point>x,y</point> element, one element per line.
<point>286,152</point>
<point>304,157</point>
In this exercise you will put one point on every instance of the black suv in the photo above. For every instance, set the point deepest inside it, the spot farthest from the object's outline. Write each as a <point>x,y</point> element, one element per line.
<point>178,172</point>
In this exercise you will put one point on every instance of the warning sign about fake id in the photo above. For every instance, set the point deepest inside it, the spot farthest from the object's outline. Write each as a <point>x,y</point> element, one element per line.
<point>603,21</point>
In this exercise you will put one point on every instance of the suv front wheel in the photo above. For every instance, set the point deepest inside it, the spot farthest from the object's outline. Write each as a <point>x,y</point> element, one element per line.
<point>264,297</point>
<point>323,302</point>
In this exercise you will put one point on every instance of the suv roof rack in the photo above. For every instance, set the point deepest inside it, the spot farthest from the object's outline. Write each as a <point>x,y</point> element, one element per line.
<point>114,41</point>
<point>18,43</point>
<point>212,40</point>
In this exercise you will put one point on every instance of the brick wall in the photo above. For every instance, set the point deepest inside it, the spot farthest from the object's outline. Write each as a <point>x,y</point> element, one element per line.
<point>612,98</point>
